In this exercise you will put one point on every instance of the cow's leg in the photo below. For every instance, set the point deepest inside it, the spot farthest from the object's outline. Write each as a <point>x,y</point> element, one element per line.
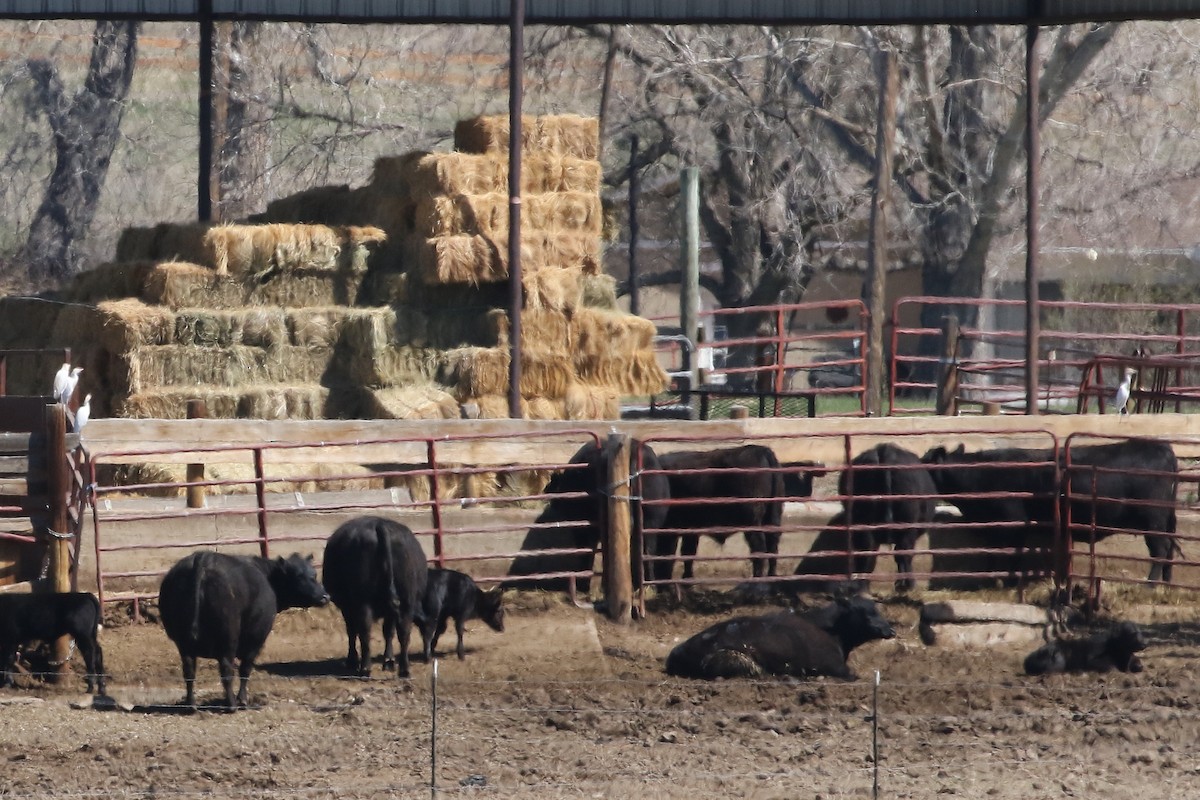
<point>225,667</point>
<point>771,539</point>
<point>90,650</point>
<point>1162,550</point>
<point>404,631</point>
<point>360,629</point>
<point>188,663</point>
<point>904,540</point>
<point>459,628</point>
<point>351,622</point>
<point>245,667</point>
<point>389,636</point>
<point>754,541</point>
<point>8,666</point>
<point>687,549</point>
<point>429,635</point>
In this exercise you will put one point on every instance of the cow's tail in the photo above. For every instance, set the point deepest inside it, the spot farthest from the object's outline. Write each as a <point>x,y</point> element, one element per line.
<point>198,591</point>
<point>384,545</point>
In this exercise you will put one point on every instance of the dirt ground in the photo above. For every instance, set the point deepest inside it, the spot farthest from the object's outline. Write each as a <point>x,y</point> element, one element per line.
<point>567,704</point>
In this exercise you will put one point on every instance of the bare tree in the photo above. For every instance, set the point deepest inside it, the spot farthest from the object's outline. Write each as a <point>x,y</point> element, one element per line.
<point>85,131</point>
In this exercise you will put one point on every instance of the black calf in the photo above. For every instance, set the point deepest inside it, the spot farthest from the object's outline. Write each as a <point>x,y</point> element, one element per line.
<point>451,594</point>
<point>1100,652</point>
<point>46,617</point>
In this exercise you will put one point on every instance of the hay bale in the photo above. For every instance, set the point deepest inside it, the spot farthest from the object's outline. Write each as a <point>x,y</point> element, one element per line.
<point>262,250</point>
<point>598,291</point>
<point>414,401</point>
<point>392,174</point>
<point>261,402</point>
<point>552,289</point>
<point>182,285</point>
<point>544,330</point>
<point>481,371</point>
<point>566,134</point>
<point>471,174</point>
<point>126,324</point>
<point>145,369</point>
<point>586,401</point>
<point>481,259</point>
<point>488,214</point>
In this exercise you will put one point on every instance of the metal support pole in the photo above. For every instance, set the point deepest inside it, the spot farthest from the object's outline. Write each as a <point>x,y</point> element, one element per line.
<point>516,298</point>
<point>1032,273</point>
<point>205,76</point>
<point>634,231</point>
<point>689,295</point>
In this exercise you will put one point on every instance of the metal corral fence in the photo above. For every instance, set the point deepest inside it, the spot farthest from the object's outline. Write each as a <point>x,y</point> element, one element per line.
<point>998,524</point>
<point>808,359</point>
<point>994,516</point>
<point>143,527</point>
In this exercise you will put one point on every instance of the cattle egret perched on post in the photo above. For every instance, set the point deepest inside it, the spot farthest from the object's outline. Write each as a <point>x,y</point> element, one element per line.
<point>81,416</point>
<point>60,380</point>
<point>1123,391</point>
<point>64,390</point>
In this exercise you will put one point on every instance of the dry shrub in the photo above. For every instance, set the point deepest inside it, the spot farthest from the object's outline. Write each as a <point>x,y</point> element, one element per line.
<point>566,134</point>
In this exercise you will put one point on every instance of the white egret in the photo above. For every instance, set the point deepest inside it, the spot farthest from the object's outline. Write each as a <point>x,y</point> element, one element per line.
<point>81,416</point>
<point>60,379</point>
<point>1122,397</point>
<point>67,391</point>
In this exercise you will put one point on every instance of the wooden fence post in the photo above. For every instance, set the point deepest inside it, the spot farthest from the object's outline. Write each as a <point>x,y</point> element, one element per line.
<point>58,487</point>
<point>618,576</point>
<point>196,409</point>
<point>947,384</point>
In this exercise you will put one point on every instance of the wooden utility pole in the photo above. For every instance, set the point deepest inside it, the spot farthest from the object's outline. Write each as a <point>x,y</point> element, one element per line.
<point>618,576</point>
<point>885,138</point>
<point>58,489</point>
<point>947,383</point>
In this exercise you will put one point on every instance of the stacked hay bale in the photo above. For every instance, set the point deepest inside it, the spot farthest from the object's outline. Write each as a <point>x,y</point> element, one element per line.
<point>446,216</point>
<point>388,300</point>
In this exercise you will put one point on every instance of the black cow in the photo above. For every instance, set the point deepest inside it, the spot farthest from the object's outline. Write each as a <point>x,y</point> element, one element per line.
<point>749,479</point>
<point>888,495</point>
<point>26,618</point>
<point>1135,486</point>
<point>816,642</point>
<point>835,553</point>
<point>450,594</point>
<point>572,519</point>
<point>220,606</point>
<point>1115,648</point>
<point>375,569</point>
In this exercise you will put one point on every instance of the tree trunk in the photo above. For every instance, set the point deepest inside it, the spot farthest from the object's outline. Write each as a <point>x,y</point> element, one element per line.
<point>243,124</point>
<point>85,130</point>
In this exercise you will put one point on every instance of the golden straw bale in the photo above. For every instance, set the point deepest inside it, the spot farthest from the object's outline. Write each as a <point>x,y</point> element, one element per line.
<point>319,327</point>
<point>454,214</point>
<point>479,371</point>
<point>284,402</point>
<point>598,291</point>
<point>263,327</point>
<point>471,174</point>
<point>602,331</point>
<point>392,366</point>
<point>414,401</point>
<point>146,369</point>
<point>172,403</point>
<point>567,134</point>
<point>587,401</point>
<point>578,212</point>
<point>261,402</point>
<point>552,289</point>
<point>544,330</point>
<point>482,259</point>
<point>126,324</point>
<point>180,285</point>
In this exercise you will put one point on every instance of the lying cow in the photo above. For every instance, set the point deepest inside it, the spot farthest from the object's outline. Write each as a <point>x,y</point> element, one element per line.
<point>25,618</point>
<point>1115,648</point>
<point>571,522</point>
<point>816,642</point>
<point>220,606</point>
<point>749,482</point>
<point>374,568</point>
<point>450,594</point>
<point>1135,483</point>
